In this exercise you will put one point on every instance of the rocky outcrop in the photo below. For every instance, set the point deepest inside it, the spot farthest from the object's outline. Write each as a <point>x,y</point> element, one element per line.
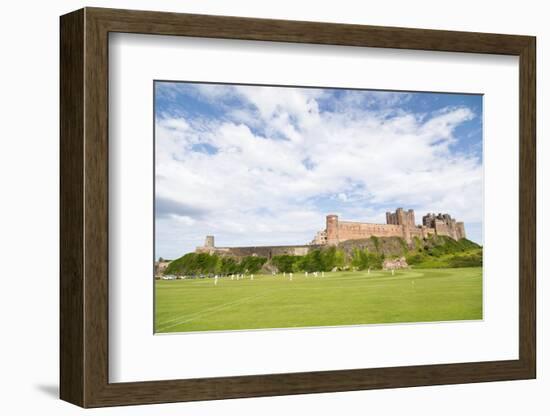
<point>388,246</point>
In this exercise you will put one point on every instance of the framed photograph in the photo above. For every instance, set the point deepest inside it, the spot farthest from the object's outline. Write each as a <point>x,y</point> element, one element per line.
<point>255,207</point>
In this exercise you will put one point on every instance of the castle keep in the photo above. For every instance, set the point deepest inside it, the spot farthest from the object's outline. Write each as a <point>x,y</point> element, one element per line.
<point>400,223</point>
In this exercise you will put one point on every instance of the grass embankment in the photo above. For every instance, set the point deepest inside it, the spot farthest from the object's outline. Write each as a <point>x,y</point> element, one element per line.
<point>444,252</point>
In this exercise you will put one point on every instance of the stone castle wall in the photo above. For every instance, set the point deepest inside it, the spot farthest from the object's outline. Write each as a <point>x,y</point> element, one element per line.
<point>261,251</point>
<point>400,223</point>
<point>338,231</point>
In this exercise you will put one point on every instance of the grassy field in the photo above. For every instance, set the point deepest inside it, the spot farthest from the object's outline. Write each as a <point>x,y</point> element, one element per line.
<point>339,298</point>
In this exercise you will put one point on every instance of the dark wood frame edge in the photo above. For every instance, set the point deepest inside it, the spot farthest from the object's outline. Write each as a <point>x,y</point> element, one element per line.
<point>84,207</point>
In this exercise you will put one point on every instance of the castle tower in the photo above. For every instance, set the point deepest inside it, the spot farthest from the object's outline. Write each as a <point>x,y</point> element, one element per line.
<point>452,229</point>
<point>332,229</point>
<point>406,233</point>
<point>428,220</point>
<point>400,215</point>
<point>410,218</point>
<point>460,232</point>
<point>209,242</point>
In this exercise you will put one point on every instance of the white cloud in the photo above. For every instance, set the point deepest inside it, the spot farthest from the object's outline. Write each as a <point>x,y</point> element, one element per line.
<point>276,164</point>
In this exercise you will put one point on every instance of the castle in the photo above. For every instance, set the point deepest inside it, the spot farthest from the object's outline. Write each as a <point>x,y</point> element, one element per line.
<point>400,223</point>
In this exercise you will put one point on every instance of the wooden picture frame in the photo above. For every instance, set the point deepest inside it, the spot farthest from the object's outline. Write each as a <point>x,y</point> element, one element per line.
<point>84,207</point>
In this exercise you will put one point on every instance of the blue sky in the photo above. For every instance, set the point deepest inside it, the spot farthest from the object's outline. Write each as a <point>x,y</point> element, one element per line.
<point>264,165</point>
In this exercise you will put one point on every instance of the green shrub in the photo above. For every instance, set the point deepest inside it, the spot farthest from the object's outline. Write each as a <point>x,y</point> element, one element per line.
<point>252,264</point>
<point>474,260</point>
<point>413,259</point>
<point>442,245</point>
<point>363,259</point>
<point>285,263</point>
<point>314,261</point>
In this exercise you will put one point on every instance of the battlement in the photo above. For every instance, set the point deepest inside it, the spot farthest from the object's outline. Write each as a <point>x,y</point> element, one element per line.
<point>209,242</point>
<point>444,224</point>
<point>401,217</point>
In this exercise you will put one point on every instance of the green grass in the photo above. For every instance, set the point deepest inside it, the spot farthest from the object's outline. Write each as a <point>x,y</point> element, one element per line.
<point>340,298</point>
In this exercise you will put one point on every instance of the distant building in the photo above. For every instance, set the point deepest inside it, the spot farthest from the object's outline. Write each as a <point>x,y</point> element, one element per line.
<point>160,267</point>
<point>444,225</point>
<point>320,238</point>
<point>400,223</point>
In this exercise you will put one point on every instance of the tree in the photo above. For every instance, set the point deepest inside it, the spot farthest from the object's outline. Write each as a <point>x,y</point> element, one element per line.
<point>284,262</point>
<point>363,259</point>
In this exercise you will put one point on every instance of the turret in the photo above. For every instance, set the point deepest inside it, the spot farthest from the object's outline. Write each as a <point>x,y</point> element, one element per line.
<point>332,229</point>
<point>209,242</point>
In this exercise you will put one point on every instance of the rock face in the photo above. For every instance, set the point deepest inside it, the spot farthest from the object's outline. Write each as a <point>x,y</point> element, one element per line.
<point>388,246</point>
<point>399,263</point>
